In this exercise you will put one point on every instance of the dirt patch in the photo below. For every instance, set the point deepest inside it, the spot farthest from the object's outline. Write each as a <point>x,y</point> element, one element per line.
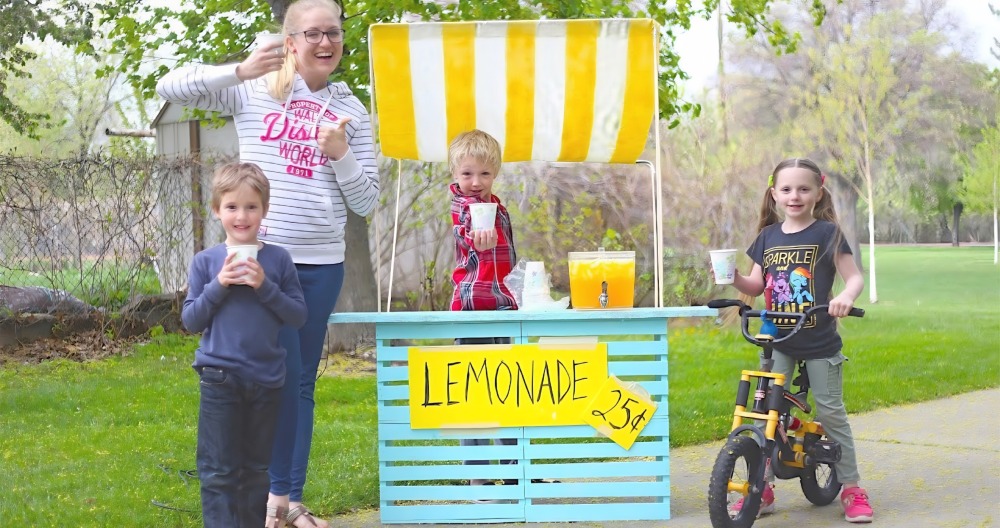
<point>85,346</point>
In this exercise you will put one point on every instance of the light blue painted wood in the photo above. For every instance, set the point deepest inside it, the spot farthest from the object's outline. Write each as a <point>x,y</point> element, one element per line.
<point>616,488</point>
<point>450,493</point>
<point>425,330</point>
<point>607,450</point>
<point>385,373</point>
<point>453,513</point>
<point>395,431</point>
<point>598,328</point>
<point>657,426</point>
<point>638,368</point>
<point>390,453</point>
<point>579,470</point>
<point>522,316</point>
<point>636,348</point>
<point>451,472</point>
<point>627,511</point>
<point>421,471</point>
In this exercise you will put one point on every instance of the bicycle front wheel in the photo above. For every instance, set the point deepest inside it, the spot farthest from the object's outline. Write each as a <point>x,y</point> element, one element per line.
<point>731,501</point>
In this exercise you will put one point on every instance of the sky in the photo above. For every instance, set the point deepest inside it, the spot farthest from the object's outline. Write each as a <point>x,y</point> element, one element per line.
<point>699,48</point>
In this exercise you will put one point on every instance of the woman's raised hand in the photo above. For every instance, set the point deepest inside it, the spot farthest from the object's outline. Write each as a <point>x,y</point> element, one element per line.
<point>264,59</point>
<point>333,140</point>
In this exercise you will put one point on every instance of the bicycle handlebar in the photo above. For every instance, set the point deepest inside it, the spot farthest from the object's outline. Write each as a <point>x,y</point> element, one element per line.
<point>746,313</point>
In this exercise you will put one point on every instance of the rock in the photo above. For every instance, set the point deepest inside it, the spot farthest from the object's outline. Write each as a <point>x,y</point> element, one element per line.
<point>153,310</point>
<point>39,300</point>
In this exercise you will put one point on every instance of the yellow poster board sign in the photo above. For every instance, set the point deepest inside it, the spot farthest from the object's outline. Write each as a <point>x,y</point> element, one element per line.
<point>482,386</point>
<point>620,411</point>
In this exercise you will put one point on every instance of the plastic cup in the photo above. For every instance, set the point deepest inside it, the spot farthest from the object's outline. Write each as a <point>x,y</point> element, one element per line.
<point>243,252</point>
<point>534,276</point>
<point>265,39</point>
<point>484,215</point>
<point>724,265</point>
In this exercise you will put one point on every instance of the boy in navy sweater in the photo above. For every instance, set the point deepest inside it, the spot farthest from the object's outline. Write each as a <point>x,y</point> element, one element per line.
<point>239,306</point>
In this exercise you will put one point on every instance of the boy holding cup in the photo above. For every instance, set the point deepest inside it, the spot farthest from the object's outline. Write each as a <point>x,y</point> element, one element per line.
<point>484,243</point>
<point>240,293</point>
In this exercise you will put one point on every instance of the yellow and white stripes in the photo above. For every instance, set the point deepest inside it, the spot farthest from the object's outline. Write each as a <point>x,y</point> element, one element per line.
<point>553,90</point>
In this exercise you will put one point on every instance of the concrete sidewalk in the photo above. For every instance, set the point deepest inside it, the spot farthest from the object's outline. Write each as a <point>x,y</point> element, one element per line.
<point>934,464</point>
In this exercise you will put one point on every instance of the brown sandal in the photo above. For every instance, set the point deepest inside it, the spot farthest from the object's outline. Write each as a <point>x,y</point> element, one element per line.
<point>300,511</point>
<point>275,517</point>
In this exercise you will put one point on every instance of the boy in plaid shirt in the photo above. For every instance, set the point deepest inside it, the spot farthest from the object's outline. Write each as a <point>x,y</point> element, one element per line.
<point>482,257</point>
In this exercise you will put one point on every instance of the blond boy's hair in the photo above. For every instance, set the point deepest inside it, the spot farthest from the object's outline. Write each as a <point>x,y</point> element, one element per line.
<point>231,176</point>
<point>279,83</point>
<point>475,144</point>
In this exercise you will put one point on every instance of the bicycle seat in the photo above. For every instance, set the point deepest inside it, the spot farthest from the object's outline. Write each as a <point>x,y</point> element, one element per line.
<point>799,400</point>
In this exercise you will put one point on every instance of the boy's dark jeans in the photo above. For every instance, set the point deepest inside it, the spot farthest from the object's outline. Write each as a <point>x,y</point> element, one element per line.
<point>483,441</point>
<point>236,427</point>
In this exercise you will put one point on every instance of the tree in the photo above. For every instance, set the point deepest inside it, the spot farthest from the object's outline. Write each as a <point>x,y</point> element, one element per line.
<point>68,22</point>
<point>65,89</point>
<point>979,182</point>
<point>215,31</point>
<point>859,94</point>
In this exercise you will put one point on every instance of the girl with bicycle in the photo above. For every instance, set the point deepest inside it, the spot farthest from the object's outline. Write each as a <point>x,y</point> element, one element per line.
<point>798,252</point>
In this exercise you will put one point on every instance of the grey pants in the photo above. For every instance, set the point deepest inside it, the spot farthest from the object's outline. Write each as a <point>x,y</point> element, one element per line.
<point>826,380</point>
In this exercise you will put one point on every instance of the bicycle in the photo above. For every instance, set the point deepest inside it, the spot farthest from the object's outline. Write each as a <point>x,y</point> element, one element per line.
<point>792,447</point>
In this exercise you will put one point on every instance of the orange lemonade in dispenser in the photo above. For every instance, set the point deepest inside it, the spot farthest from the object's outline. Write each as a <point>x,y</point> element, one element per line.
<point>602,279</point>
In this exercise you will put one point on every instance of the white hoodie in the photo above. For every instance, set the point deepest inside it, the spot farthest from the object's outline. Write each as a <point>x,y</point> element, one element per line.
<point>310,193</point>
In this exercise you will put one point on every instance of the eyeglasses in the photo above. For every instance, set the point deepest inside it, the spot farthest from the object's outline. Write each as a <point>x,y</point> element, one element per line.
<point>315,36</point>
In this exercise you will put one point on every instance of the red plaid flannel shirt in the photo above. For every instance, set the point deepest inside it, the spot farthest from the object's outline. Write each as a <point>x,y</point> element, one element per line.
<point>478,275</point>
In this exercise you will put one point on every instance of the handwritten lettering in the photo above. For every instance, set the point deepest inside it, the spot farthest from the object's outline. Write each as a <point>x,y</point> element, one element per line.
<point>531,382</point>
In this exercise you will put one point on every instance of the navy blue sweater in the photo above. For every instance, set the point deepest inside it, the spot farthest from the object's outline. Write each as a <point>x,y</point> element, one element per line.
<point>240,325</point>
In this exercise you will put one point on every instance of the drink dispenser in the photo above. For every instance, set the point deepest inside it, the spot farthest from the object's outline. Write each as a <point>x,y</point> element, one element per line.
<point>602,279</point>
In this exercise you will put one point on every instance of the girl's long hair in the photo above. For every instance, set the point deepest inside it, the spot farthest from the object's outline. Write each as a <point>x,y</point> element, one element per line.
<point>279,83</point>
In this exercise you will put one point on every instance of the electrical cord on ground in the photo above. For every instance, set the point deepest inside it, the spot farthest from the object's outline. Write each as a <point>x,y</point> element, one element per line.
<point>185,475</point>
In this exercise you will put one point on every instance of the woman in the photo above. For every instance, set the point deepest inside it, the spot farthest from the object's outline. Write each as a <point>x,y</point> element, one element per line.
<point>313,139</point>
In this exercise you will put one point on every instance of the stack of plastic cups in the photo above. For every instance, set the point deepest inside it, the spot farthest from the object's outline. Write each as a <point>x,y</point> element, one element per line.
<point>535,294</point>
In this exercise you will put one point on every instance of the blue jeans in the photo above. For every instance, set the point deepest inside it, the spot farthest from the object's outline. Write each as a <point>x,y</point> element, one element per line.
<point>236,420</point>
<point>290,458</point>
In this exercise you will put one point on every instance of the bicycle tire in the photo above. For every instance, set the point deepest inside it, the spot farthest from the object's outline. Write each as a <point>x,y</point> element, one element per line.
<point>819,483</point>
<point>737,461</point>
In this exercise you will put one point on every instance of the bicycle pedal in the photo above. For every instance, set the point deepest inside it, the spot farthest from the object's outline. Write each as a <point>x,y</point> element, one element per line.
<point>825,452</point>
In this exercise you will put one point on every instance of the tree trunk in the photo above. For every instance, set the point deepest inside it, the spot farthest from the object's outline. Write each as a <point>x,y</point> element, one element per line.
<point>359,293</point>
<point>996,243</point>
<point>845,200</point>
<point>956,213</point>
<point>872,289</point>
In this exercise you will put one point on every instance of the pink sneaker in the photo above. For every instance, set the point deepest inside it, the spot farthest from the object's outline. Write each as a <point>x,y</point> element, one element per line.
<point>766,503</point>
<point>856,507</point>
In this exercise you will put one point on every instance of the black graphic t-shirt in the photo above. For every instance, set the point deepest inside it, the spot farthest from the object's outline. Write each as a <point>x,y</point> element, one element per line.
<point>799,270</point>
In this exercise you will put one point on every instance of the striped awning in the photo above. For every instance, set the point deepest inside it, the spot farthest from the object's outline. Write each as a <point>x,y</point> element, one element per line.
<point>550,90</point>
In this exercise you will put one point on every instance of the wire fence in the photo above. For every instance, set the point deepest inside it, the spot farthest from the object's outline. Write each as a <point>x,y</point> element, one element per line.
<point>101,229</point>
<point>105,229</point>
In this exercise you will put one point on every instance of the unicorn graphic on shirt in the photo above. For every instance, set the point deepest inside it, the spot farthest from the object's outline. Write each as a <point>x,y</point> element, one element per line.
<point>799,282</point>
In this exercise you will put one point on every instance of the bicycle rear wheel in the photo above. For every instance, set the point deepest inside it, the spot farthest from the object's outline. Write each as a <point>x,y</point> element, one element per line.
<point>731,501</point>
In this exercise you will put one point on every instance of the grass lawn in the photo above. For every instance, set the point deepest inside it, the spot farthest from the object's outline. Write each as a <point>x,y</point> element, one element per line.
<point>105,443</point>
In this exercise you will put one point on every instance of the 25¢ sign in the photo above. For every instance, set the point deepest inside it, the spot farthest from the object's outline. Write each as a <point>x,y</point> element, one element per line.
<point>620,411</point>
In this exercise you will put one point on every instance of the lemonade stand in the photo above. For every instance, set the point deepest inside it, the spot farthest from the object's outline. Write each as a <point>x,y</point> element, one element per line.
<point>580,397</point>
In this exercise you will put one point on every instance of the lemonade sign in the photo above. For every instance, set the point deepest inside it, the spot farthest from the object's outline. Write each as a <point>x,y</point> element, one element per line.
<point>479,386</point>
<point>620,411</point>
